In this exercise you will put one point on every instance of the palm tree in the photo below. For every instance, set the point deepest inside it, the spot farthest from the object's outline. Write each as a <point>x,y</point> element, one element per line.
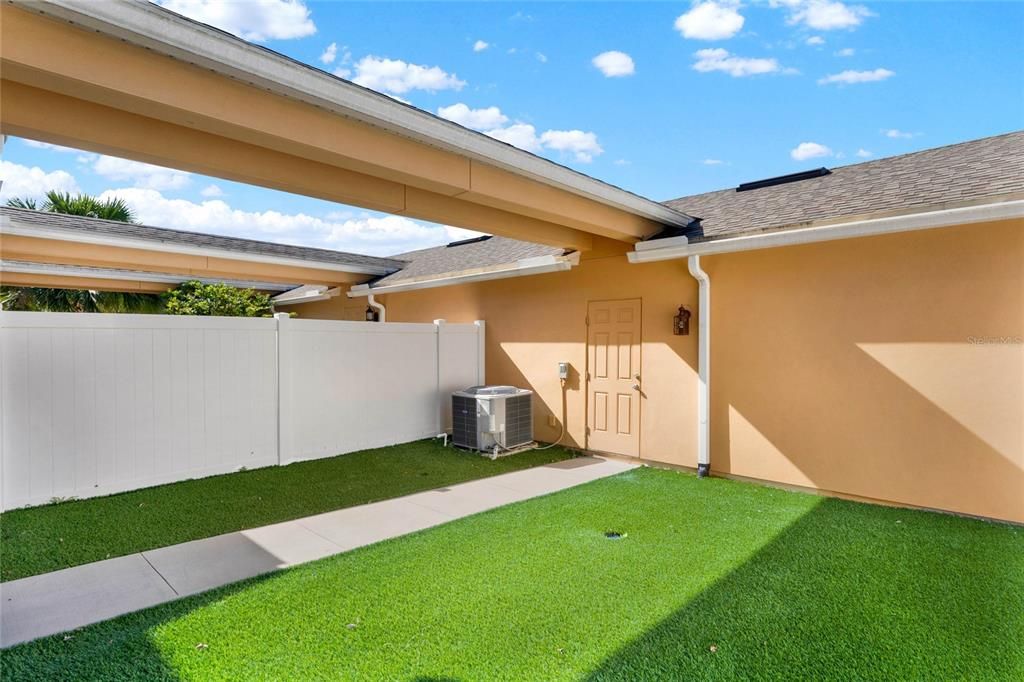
<point>78,300</point>
<point>84,205</point>
<point>27,202</point>
<point>52,300</point>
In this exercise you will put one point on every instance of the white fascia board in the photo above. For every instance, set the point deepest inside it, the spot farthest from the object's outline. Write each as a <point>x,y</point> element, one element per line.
<point>652,244</point>
<point>61,270</point>
<point>808,235</point>
<point>157,29</point>
<point>8,226</point>
<point>528,266</point>
<point>308,293</point>
<point>301,292</point>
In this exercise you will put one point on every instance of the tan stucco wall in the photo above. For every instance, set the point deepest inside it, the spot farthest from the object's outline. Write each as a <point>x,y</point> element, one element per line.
<point>533,323</point>
<point>850,366</point>
<point>855,367</point>
<point>338,308</point>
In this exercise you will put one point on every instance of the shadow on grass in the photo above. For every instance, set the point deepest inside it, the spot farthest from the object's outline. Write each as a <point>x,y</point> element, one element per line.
<point>118,649</point>
<point>48,538</point>
<point>851,591</point>
<point>846,591</point>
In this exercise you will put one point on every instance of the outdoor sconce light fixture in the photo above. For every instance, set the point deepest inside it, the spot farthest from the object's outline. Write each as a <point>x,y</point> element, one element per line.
<point>681,322</point>
<point>371,314</point>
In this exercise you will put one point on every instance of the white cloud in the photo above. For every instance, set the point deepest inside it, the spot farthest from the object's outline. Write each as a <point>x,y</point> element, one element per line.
<point>864,153</point>
<point>622,162</point>
<point>846,52</point>
<point>142,175</point>
<point>850,76</point>
<point>542,58</point>
<point>582,145</point>
<point>711,21</point>
<point>896,134</point>
<point>122,170</point>
<point>810,150</point>
<point>614,63</point>
<point>717,59</point>
<point>255,20</point>
<point>212,191</point>
<point>391,234</point>
<point>815,40</point>
<point>363,233</point>
<point>488,118</point>
<point>824,15</point>
<point>480,45</point>
<point>36,144</point>
<point>522,135</point>
<point>397,76</point>
<point>329,54</point>
<point>343,72</point>
<point>712,162</point>
<point>22,181</point>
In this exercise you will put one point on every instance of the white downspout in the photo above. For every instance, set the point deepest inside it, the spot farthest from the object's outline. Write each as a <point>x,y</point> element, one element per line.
<point>379,307</point>
<point>703,365</point>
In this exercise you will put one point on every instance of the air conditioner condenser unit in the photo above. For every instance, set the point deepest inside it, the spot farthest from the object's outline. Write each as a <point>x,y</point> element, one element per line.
<point>492,419</point>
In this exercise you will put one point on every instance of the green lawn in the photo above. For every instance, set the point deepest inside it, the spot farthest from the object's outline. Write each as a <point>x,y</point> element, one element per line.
<point>48,538</point>
<point>714,579</point>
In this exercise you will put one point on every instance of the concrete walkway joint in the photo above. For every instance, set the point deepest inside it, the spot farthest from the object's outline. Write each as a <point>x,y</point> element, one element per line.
<point>63,600</point>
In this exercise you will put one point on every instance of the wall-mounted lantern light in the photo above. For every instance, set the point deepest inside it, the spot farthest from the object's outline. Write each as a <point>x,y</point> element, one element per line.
<point>681,322</point>
<point>371,314</point>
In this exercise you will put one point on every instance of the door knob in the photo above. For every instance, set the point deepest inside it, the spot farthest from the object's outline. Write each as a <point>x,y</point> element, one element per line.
<point>636,387</point>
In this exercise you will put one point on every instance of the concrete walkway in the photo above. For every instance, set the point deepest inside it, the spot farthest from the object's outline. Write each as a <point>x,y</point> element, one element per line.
<point>64,600</point>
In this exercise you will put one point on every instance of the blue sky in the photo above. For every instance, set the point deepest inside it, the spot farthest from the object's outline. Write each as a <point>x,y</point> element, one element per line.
<point>664,99</point>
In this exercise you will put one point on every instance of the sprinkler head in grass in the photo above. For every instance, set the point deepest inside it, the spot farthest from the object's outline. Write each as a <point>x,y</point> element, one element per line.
<point>614,535</point>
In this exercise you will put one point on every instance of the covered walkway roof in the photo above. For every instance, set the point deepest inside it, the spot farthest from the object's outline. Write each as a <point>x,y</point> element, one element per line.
<point>39,248</point>
<point>134,80</point>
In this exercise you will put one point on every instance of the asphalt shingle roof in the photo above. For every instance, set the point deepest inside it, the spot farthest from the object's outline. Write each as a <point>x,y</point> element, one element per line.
<point>163,235</point>
<point>441,260</point>
<point>963,173</point>
<point>956,174</point>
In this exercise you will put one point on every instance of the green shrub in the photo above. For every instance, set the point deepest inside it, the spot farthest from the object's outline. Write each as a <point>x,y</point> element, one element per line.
<point>197,298</point>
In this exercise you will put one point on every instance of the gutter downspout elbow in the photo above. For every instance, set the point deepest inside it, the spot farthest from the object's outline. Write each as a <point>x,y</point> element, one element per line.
<point>379,307</point>
<point>703,365</point>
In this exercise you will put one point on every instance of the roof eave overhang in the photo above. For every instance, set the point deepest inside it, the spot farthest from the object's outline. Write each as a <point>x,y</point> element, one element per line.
<point>122,275</point>
<point>522,268</point>
<point>155,28</point>
<point>679,247</point>
<point>308,293</point>
<point>13,227</point>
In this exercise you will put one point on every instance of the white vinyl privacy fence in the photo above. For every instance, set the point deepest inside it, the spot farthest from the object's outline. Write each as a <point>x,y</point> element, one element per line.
<point>95,404</point>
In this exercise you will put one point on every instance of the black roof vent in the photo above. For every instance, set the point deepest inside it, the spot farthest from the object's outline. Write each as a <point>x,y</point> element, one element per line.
<point>783,179</point>
<point>463,242</point>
